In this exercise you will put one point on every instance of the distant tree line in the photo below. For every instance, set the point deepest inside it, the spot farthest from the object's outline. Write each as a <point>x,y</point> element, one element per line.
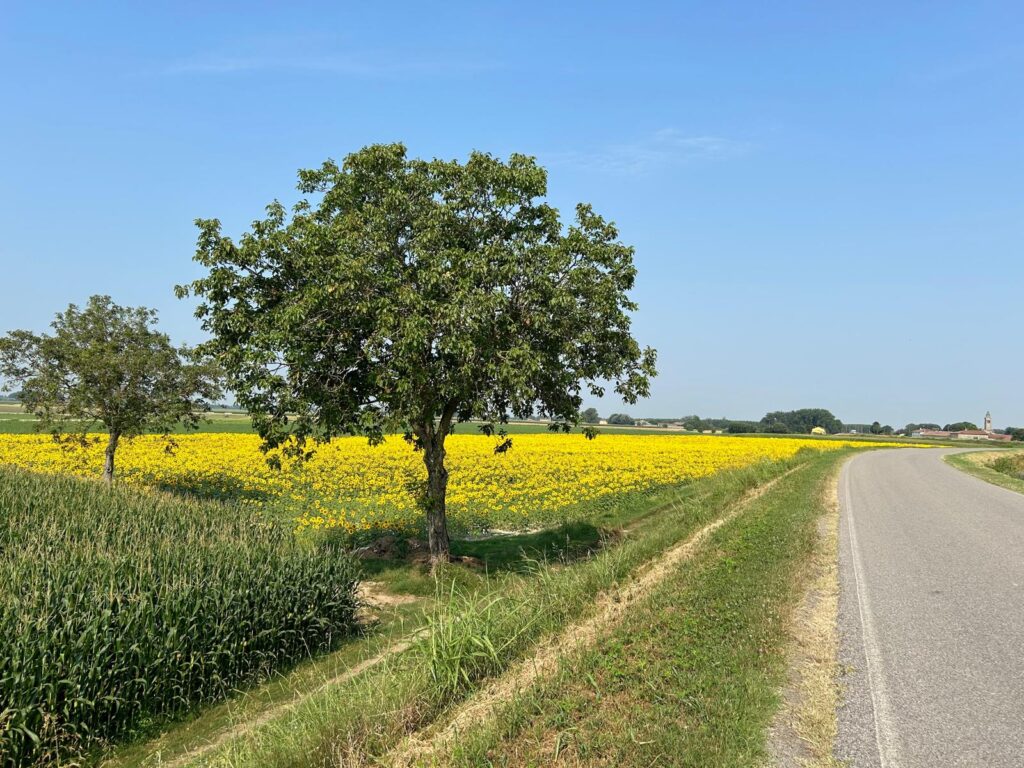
<point>801,421</point>
<point>733,426</point>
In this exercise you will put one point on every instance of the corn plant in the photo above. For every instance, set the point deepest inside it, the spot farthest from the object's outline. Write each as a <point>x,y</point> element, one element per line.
<point>118,608</point>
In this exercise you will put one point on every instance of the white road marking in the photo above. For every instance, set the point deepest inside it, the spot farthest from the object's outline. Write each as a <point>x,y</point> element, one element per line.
<point>885,735</point>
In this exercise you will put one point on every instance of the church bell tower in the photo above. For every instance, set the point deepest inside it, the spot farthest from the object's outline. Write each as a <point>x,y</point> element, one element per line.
<point>988,421</point>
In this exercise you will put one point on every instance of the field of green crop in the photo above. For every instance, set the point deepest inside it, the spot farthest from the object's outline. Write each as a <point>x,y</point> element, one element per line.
<point>119,608</point>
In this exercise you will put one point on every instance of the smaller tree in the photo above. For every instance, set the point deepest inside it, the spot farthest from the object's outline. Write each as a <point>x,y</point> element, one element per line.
<point>741,427</point>
<point>960,426</point>
<point>590,416</point>
<point>876,428</point>
<point>107,365</point>
<point>693,422</point>
<point>623,419</point>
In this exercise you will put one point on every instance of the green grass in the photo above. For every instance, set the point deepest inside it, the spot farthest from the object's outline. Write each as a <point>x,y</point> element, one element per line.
<point>998,468</point>
<point>120,609</point>
<point>13,420</point>
<point>475,633</point>
<point>691,675</point>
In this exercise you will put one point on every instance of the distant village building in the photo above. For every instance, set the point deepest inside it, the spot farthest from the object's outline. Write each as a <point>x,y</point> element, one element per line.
<point>966,434</point>
<point>979,434</point>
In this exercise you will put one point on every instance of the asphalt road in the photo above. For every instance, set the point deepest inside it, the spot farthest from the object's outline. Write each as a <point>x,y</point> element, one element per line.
<point>931,615</point>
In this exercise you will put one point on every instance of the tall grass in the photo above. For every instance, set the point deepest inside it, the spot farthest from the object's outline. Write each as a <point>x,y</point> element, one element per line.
<point>1011,464</point>
<point>117,607</point>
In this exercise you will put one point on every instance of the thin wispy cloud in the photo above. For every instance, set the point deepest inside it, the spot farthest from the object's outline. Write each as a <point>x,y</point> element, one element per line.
<point>287,54</point>
<point>665,148</point>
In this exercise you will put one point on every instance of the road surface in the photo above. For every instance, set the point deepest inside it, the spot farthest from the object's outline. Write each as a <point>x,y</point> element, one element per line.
<point>931,615</point>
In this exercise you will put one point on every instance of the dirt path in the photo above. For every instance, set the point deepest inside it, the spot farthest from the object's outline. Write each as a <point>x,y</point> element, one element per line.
<point>427,746</point>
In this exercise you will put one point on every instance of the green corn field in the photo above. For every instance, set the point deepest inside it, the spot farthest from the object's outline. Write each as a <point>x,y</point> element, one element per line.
<point>120,607</point>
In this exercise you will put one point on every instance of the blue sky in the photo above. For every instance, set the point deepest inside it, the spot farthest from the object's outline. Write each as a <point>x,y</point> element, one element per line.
<point>825,198</point>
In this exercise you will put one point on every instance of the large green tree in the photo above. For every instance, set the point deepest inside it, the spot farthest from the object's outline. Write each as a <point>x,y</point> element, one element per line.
<point>409,295</point>
<point>800,421</point>
<point>106,365</point>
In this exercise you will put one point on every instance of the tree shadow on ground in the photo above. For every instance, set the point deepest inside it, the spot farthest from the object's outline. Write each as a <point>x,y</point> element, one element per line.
<point>516,553</point>
<point>522,552</point>
<point>224,488</point>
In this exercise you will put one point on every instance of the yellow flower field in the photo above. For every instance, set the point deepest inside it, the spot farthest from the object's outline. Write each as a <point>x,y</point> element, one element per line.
<point>356,487</point>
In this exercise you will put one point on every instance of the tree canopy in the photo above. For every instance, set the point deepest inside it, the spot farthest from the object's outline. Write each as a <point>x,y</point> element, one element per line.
<point>800,421</point>
<point>621,419</point>
<point>590,416</point>
<point>106,365</point>
<point>413,294</point>
<point>959,426</point>
<point>912,427</point>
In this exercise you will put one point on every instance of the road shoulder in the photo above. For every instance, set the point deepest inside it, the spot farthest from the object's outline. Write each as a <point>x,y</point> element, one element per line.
<point>803,732</point>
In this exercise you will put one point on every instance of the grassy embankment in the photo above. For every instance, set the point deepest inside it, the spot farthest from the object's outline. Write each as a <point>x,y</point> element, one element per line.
<point>1004,467</point>
<point>691,674</point>
<point>477,630</point>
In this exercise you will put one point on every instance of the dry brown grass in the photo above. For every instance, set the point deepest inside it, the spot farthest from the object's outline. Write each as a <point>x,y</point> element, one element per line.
<point>803,732</point>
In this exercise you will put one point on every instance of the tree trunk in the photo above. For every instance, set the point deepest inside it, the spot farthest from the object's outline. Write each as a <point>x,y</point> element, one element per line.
<point>108,456</point>
<point>437,488</point>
